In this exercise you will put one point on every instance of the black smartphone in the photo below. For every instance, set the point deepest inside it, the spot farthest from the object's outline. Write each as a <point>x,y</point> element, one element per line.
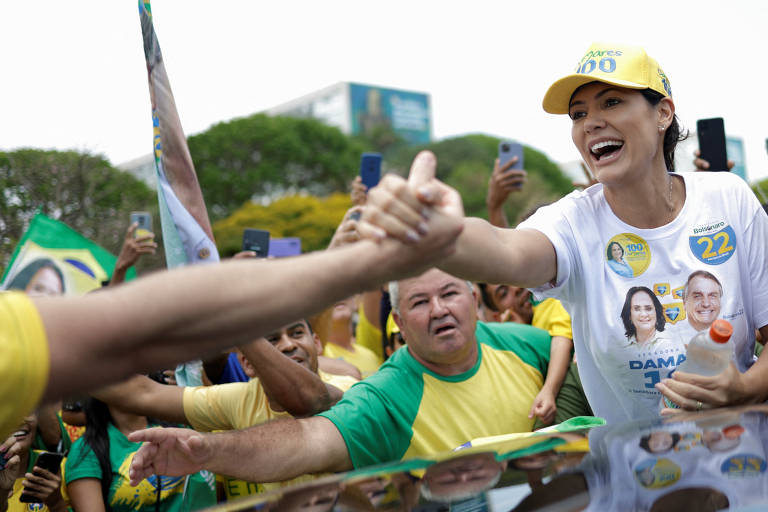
<point>370,169</point>
<point>144,219</point>
<point>256,240</point>
<point>711,133</point>
<point>3,461</point>
<point>49,461</point>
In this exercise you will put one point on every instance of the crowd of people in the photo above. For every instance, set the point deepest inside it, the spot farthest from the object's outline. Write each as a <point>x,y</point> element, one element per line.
<point>415,332</point>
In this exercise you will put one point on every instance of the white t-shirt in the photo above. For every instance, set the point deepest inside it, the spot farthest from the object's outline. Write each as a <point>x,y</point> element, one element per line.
<point>721,229</point>
<point>619,461</point>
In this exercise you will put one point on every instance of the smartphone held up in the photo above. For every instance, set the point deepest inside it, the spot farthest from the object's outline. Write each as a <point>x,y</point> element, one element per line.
<point>508,151</point>
<point>144,224</point>
<point>370,169</point>
<point>711,135</point>
<point>256,240</point>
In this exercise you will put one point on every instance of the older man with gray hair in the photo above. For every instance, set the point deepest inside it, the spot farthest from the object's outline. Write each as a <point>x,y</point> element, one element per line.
<point>456,380</point>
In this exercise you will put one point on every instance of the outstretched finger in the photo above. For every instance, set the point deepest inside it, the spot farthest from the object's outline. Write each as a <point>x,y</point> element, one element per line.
<point>507,166</point>
<point>129,232</point>
<point>423,169</point>
<point>142,464</point>
<point>149,435</point>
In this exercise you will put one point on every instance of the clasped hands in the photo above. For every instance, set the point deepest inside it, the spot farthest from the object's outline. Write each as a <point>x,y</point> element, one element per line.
<point>420,212</point>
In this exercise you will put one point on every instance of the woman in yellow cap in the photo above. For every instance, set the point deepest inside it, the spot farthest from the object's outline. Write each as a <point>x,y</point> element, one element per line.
<point>669,225</point>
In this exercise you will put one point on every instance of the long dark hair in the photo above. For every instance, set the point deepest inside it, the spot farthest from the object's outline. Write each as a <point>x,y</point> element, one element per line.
<point>674,133</point>
<point>96,436</point>
<point>609,250</point>
<point>21,280</point>
<point>627,309</point>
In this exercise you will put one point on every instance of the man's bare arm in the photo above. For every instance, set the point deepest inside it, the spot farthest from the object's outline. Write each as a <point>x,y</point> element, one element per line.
<point>196,311</point>
<point>298,390</point>
<point>273,452</point>
<point>145,397</point>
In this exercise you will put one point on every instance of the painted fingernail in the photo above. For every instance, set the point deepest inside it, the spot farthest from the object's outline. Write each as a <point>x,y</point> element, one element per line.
<point>423,228</point>
<point>426,193</point>
<point>412,236</point>
<point>379,233</point>
<point>425,213</point>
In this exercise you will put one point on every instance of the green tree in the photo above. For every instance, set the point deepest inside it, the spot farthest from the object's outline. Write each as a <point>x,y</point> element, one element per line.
<point>760,188</point>
<point>466,163</point>
<point>266,157</point>
<point>310,218</point>
<point>82,190</point>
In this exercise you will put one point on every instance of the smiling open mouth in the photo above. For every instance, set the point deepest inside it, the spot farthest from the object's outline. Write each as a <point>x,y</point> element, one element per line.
<point>605,149</point>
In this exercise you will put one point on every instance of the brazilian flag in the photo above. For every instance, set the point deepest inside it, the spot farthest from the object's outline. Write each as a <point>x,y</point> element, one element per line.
<point>80,264</point>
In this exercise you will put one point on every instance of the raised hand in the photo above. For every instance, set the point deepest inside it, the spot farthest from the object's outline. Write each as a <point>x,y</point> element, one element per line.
<point>703,165</point>
<point>133,248</point>
<point>504,180</point>
<point>43,485</point>
<point>346,232</point>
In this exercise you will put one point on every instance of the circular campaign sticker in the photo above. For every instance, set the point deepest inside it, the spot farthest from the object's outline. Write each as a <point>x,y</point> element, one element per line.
<point>627,255</point>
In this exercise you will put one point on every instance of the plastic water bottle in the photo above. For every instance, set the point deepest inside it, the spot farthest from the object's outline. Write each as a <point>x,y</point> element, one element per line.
<point>709,352</point>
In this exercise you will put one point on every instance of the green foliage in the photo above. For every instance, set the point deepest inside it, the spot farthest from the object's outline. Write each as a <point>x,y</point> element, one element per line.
<point>82,190</point>
<point>466,163</point>
<point>266,157</point>
<point>760,188</point>
<point>310,218</point>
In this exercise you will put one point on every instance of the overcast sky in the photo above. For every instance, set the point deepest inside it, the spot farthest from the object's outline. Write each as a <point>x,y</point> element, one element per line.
<point>74,74</point>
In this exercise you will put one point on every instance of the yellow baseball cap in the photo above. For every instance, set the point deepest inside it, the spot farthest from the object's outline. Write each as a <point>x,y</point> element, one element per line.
<point>625,66</point>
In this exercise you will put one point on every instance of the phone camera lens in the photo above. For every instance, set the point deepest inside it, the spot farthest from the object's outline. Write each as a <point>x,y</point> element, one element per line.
<point>505,147</point>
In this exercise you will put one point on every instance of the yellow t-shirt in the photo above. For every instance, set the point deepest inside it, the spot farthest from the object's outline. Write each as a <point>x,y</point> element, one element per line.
<point>14,505</point>
<point>368,335</point>
<point>25,360</point>
<point>362,358</point>
<point>240,405</point>
<point>551,316</point>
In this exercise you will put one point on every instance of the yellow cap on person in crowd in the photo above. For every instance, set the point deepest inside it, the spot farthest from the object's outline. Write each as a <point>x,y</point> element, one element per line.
<point>625,66</point>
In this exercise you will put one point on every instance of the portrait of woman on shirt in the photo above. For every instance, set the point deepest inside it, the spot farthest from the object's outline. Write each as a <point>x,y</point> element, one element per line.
<point>615,254</point>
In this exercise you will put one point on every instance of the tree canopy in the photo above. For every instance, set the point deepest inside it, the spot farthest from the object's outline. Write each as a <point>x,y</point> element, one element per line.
<point>266,157</point>
<point>82,190</point>
<point>310,218</point>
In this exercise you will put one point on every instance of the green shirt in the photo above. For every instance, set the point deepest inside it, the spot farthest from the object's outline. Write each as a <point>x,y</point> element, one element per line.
<point>82,463</point>
<point>405,410</point>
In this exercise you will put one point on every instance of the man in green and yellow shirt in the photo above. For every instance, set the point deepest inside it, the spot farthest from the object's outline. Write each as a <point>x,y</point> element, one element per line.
<point>455,380</point>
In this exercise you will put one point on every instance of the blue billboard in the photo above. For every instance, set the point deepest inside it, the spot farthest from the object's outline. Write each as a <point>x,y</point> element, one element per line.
<point>407,113</point>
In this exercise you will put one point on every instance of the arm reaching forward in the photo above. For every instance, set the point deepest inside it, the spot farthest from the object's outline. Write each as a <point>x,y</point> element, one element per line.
<point>273,452</point>
<point>397,209</point>
<point>195,311</point>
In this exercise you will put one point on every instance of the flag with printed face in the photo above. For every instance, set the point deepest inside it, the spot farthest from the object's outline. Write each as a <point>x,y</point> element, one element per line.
<point>54,259</point>
<point>187,233</point>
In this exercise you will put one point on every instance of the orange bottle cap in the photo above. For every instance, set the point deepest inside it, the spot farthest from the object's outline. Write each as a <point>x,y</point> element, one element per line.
<point>720,331</point>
